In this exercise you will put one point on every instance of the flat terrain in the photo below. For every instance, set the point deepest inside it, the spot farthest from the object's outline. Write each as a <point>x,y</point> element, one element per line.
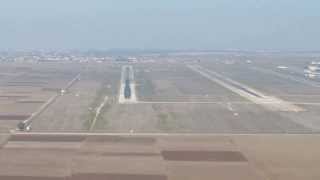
<point>25,87</point>
<point>158,157</point>
<point>243,94</point>
<point>76,109</point>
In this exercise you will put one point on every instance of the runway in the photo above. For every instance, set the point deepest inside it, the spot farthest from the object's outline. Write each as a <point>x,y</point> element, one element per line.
<point>130,75</point>
<point>269,102</point>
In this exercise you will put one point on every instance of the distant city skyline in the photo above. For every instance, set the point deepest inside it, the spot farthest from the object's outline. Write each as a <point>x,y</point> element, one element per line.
<point>164,24</point>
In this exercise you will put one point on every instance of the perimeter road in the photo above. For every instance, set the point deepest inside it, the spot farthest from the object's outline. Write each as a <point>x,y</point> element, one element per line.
<point>315,133</point>
<point>98,111</point>
<point>28,121</point>
<point>223,102</point>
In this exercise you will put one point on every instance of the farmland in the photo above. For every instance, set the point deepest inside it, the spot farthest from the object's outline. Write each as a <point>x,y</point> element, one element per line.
<point>178,94</point>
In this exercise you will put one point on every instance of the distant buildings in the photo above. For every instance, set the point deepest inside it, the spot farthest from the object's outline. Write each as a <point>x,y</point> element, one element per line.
<point>313,70</point>
<point>127,59</point>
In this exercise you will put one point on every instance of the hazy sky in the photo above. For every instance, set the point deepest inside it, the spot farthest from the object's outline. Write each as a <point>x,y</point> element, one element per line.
<point>160,24</point>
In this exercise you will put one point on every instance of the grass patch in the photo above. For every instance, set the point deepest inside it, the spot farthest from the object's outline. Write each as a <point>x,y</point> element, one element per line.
<point>145,89</point>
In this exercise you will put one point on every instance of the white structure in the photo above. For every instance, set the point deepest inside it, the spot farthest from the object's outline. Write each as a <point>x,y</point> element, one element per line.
<point>62,92</point>
<point>312,70</point>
